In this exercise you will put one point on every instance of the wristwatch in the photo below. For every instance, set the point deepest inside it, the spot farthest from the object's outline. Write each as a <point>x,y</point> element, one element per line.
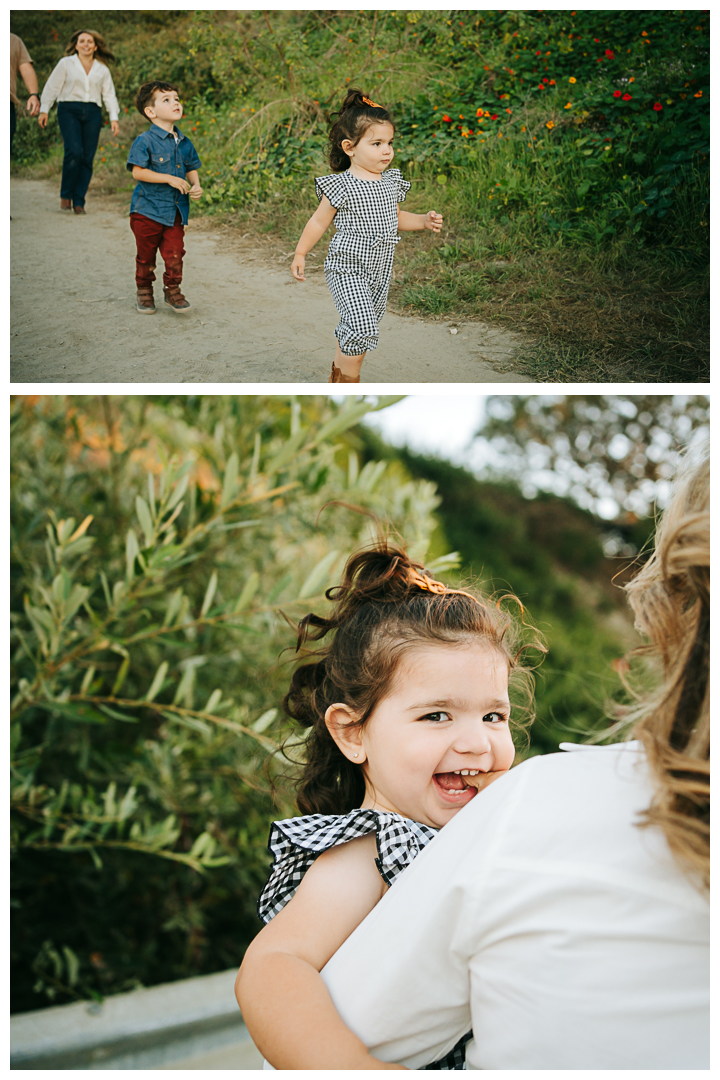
<point>34,95</point>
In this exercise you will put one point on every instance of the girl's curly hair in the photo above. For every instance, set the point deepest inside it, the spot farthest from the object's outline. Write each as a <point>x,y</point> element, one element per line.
<point>357,113</point>
<point>384,605</point>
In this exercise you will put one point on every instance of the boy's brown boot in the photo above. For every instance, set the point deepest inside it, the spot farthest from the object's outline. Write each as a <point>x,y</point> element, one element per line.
<point>65,204</point>
<point>337,375</point>
<point>175,299</point>
<point>146,300</point>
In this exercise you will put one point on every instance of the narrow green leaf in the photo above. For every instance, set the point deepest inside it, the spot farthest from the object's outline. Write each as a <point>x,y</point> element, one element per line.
<point>145,520</point>
<point>173,607</point>
<point>249,589</point>
<point>95,858</point>
<point>120,677</point>
<point>209,593</point>
<point>118,715</point>
<point>285,454</point>
<point>131,553</point>
<point>343,419</point>
<point>180,489</point>
<point>109,799</point>
<point>73,710</point>
<point>87,679</point>
<point>264,721</point>
<point>78,596</point>
<point>184,689</point>
<point>229,480</point>
<point>73,965</point>
<point>204,843</point>
<point>213,701</point>
<point>255,463</point>
<point>151,493</point>
<point>106,589</point>
<point>157,682</point>
<point>318,575</point>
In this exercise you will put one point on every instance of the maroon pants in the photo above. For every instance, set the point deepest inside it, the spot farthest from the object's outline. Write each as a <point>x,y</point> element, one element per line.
<point>151,237</point>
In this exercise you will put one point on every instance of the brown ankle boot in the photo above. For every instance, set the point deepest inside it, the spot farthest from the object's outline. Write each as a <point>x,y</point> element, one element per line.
<point>175,299</point>
<point>65,204</point>
<point>337,375</point>
<point>146,300</point>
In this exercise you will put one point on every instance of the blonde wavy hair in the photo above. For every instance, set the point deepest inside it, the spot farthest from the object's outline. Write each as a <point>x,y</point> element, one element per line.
<point>670,597</point>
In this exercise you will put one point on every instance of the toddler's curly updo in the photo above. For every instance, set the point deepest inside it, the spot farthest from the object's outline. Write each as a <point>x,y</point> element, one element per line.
<point>384,605</point>
<point>357,113</point>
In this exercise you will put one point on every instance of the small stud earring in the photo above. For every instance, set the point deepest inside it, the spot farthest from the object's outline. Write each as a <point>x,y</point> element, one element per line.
<point>354,755</point>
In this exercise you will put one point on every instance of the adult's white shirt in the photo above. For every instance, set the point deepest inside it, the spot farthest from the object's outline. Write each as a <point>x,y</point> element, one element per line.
<point>69,81</point>
<point>544,918</point>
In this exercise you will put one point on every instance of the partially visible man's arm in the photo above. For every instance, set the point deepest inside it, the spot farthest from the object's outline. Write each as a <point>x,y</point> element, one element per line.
<point>27,72</point>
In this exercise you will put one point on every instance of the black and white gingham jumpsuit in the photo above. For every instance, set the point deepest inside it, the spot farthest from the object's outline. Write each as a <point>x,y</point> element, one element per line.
<point>295,844</point>
<point>360,258</point>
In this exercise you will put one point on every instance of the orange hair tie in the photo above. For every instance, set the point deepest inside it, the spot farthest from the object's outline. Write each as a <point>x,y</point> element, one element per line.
<point>373,104</point>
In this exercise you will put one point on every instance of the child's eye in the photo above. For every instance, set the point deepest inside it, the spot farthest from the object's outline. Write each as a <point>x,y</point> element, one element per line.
<point>494,718</point>
<point>437,717</point>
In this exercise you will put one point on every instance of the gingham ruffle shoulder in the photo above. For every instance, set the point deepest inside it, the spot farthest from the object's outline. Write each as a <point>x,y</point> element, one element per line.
<point>295,843</point>
<point>334,187</point>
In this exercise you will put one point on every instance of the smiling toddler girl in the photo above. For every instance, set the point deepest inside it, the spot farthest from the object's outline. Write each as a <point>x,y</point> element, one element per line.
<point>363,200</point>
<point>409,716</point>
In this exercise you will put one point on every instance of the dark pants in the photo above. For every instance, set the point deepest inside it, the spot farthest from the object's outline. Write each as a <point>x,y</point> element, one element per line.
<point>80,123</point>
<point>151,237</point>
<point>13,123</point>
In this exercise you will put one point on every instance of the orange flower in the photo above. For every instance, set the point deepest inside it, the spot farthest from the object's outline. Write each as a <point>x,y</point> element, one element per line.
<point>568,106</point>
<point>572,79</point>
<point>699,94</point>
<point>550,125</point>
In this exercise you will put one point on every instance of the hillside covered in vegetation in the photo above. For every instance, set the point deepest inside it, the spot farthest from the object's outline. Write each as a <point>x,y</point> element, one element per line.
<point>568,151</point>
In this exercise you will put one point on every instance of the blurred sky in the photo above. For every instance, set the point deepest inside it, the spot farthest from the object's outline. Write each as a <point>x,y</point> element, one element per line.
<point>437,424</point>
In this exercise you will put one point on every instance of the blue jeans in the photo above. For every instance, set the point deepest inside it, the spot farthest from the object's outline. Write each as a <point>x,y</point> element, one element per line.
<point>80,123</point>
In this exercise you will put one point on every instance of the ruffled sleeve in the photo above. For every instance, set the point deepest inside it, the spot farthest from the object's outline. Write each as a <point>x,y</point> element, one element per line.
<point>295,843</point>
<point>333,187</point>
<point>401,186</point>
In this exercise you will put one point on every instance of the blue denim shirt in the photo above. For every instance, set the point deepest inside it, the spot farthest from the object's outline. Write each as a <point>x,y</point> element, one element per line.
<point>156,149</point>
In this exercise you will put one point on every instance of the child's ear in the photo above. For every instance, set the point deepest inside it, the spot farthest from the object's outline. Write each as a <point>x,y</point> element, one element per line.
<point>347,733</point>
<point>347,146</point>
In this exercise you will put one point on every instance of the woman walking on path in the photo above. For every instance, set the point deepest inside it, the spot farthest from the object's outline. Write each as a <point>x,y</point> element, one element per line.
<point>79,83</point>
<point>363,200</point>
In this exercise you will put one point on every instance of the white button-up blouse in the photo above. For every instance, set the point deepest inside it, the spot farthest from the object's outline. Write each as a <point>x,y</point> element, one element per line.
<point>545,918</point>
<point>70,82</point>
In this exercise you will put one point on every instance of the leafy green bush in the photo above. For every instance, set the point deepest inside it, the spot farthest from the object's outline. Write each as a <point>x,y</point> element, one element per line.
<point>155,544</point>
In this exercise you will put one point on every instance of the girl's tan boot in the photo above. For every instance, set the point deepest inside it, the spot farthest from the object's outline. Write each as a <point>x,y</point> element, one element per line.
<point>337,375</point>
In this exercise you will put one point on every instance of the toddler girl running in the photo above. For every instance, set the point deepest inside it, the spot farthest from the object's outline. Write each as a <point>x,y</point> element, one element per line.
<point>363,200</point>
<point>408,717</point>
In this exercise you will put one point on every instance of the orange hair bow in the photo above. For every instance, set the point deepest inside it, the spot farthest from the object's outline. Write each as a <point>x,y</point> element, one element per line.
<point>373,104</point>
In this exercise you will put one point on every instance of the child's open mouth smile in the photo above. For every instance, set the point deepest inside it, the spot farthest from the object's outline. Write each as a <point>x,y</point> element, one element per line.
<point>452,787</point>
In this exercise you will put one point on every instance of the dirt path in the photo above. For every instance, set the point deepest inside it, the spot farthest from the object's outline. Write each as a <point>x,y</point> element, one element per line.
<point>73,316</point>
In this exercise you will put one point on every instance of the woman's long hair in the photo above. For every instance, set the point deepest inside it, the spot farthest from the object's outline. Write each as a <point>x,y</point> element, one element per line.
<point>670,597</point>
<point>385,605</point>
<point>101,53</point>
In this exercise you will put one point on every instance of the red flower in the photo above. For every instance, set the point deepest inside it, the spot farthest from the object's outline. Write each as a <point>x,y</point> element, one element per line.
<point>446,118</point>
<point>541,86</point>
<point>544,80</point>
<point>538,53</point>
<point>494,116</point>
<point>616,93</point>
<point>596,40</point>
<point>552,82</point>
<point>657,106</point>
<point>627,97</point>
<point>610,54</point>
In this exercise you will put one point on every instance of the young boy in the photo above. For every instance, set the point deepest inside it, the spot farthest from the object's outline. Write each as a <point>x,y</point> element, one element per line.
<point>165,164</point>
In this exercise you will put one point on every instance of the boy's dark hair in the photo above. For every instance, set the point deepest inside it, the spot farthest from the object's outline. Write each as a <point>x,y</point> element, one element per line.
<point>385,605</point>
<point>146,95</point>
<point>357,113</point>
